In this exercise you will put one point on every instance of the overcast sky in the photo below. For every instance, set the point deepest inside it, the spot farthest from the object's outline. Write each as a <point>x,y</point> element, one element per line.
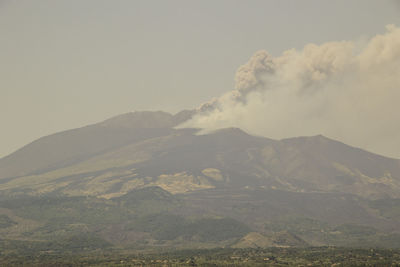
<point>66,64</point>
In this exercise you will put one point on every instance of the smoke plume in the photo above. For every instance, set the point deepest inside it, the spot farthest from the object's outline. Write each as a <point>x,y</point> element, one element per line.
<point>346,90</point>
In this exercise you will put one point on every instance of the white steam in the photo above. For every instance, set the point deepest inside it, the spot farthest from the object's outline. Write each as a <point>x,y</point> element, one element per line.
<point>344,90</point>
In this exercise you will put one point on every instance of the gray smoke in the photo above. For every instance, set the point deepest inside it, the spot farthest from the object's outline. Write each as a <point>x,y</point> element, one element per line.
<point>345,90</point>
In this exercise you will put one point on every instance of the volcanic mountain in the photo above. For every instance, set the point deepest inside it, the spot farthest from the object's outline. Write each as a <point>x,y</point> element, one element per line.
<point>263,185</point>
<point>144,149</point>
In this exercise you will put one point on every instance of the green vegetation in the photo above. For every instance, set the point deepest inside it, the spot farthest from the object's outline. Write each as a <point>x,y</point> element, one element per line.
<point>297,225</point>
<point>347,235</point>
<point>321,256</point>
<point>355,230</point>
<point>389,208</point>
<point>149,200</point>
<point>5,221</point>
<point>170,226</point>
<point>143,218</point>
<point>152,218</point>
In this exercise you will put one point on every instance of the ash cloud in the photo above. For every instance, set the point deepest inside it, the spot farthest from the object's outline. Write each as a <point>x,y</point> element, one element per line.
<point>346,90</point>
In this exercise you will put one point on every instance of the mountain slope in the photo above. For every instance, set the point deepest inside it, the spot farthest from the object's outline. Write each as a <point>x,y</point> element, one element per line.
<point>72,146</point>
<point>143,149</point>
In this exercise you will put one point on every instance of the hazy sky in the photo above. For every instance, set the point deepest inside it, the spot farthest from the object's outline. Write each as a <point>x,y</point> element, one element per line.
<point>66,64</point>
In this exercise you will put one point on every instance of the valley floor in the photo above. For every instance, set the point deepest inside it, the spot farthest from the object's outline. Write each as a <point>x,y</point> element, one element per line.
<point>318,256</point>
